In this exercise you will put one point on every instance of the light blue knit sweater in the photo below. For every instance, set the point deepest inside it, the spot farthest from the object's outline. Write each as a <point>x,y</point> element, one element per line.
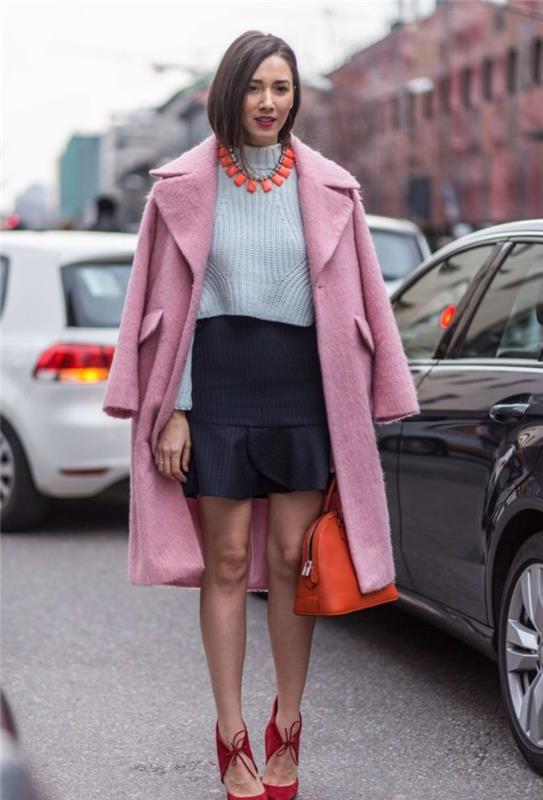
<point>257,264</point>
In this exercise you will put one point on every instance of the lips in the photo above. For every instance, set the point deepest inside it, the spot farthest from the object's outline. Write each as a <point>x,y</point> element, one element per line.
<point>265,119</point>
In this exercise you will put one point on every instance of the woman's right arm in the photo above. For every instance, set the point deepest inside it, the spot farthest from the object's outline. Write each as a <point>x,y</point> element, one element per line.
<point>184,395</point>
<point>174,443</point>
<point>121,398</point>
<point>173,448</point>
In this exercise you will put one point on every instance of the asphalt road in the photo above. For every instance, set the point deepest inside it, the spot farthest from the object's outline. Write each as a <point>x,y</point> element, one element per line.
<point>110,689</point>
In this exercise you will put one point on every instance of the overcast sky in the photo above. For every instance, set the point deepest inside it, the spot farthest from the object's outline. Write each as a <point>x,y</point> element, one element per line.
<point>69,65</point>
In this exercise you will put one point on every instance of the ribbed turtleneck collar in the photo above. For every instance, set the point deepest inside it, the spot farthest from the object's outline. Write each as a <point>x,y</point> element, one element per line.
<point>262,158</point>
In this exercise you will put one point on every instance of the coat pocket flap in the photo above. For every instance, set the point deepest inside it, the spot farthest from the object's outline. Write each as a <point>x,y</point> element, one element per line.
<point>365,332</point>
<point>149,323</point>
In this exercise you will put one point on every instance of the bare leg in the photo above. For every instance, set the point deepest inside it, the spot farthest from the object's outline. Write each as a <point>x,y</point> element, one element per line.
<point>291,634</point>
<point>226,525</point>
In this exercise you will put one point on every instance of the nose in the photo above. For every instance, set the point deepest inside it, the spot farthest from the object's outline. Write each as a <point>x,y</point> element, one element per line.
<point>266,100</point>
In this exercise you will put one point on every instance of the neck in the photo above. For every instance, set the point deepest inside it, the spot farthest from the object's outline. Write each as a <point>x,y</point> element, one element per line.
<point>259,144</point>
<point>262,157</point>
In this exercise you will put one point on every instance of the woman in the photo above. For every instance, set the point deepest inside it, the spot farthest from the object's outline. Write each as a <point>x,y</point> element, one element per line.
<point>255,303</point>
<point>254,420</point>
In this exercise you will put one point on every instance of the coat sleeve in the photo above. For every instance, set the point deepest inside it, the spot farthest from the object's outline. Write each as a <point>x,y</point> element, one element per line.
<point>122,389</point>
<point>393,390</point>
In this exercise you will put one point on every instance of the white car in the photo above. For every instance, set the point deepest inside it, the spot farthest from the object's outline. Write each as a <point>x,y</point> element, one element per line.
<point>401,247</point>
<point>61,298</point>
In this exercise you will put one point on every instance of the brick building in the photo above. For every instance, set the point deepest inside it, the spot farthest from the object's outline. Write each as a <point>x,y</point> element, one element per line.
<point>442,120</point>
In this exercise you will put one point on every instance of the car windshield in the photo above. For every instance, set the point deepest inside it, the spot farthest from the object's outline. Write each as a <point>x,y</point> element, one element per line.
<point>398,253</point>
<point>94,293</point>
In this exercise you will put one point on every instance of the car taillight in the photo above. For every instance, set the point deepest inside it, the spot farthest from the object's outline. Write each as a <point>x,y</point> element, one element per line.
<point>446,316</point>
<point>80,363</point>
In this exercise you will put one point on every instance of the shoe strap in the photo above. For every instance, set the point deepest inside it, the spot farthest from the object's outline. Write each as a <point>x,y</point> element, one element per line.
<point>240,747</point>
<point>292,741</point>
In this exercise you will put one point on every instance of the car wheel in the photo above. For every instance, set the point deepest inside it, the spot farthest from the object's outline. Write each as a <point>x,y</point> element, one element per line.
<point>22,505</point>
<point>520,646</point>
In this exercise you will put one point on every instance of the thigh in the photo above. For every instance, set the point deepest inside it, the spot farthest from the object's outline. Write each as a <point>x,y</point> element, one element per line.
<point>225,524</point>
<point>289,515</point>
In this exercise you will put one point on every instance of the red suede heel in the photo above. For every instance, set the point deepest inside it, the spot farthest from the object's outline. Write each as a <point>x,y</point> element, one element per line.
<point>240,747</point>
<point>275,744</point>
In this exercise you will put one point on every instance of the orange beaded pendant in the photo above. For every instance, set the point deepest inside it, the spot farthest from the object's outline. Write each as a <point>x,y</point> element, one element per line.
<point>277,177</point>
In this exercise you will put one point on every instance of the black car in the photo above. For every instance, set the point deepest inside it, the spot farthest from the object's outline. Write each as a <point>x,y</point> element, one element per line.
<point>465,476</point>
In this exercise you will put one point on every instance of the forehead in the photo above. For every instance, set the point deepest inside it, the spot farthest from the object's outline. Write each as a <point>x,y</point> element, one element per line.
<point>272,68</point>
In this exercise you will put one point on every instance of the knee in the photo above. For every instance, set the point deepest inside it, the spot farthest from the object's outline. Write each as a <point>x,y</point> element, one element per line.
<point>284,561</point>
<point>229,567</point>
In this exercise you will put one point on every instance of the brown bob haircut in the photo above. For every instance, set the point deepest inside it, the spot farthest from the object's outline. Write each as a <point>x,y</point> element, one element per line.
<point>231,82</point>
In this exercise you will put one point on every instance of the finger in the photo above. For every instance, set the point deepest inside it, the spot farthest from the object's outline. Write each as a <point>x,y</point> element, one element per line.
<point>167,468</point>
<point>176,467</point>
<point>159,460</point>
<point>182,461</point>
<point>185,461</point>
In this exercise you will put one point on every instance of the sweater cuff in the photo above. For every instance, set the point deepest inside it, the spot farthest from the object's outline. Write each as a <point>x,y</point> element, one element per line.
<point>184,395</point>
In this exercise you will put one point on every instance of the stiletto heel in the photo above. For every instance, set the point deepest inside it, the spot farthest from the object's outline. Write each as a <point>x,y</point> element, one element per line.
<point>226,755</point>
<point>274,743</point>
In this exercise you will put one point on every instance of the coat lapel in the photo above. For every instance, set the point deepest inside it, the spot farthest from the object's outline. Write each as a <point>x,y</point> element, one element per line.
<point>187,195</point>
<point>186,199</point>
<point>325,210</point>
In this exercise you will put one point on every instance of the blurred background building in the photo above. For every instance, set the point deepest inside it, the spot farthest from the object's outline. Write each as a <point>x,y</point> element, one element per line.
<point>441,121</point>
<point>79,175</point>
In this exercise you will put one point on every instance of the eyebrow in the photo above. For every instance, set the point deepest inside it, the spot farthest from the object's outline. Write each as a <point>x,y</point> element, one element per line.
<point>279,80</point>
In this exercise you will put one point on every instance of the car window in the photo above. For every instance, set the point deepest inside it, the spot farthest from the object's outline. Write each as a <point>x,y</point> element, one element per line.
<point>509,320</point>
<point>398,253</point>
<point>94,293</point>
<point>426,309</point>
<point>4,263</point>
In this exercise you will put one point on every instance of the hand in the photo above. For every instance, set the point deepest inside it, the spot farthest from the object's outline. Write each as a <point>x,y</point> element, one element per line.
<point>173,448</point>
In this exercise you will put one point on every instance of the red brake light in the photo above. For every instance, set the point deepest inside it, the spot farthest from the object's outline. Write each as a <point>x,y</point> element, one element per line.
<point>80,363</point>
<point>446,316</point>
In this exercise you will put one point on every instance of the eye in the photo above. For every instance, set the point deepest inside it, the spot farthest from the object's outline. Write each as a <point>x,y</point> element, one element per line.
<point>253,87</point>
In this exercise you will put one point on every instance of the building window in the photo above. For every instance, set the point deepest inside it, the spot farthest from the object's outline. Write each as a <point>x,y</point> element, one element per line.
<point>411,109</point>
<point>499,20</point>
<point>428,104</point>
<point>537,62</point>
<point>395,108</point>
<point>382,117</point>
<point>445,94</point>
<point>370,119</point>
<point>466,80</point>
<point>487,77</point>
<point>511,67</point>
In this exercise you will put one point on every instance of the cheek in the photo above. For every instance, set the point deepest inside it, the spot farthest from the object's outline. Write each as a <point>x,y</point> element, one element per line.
<point>286,103</point>
<point>248,105</point>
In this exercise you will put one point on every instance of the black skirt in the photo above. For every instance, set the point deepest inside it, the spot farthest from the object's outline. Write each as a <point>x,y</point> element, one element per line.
<point>258,419</point>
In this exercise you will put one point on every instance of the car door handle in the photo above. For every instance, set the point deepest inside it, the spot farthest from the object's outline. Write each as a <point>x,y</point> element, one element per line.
<point>508,412</point>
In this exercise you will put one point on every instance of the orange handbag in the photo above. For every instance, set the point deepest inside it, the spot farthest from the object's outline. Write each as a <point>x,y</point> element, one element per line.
<point>327,583</point>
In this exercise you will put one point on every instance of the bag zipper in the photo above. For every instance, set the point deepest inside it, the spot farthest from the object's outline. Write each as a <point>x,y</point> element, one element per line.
<point>306,570</point>
<point>309,562</point>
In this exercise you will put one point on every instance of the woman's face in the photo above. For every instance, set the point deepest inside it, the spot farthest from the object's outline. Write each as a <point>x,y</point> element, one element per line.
<point>270,93</point>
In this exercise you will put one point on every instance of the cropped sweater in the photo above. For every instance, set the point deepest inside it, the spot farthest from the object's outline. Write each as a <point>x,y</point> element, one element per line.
<point>257,263</point>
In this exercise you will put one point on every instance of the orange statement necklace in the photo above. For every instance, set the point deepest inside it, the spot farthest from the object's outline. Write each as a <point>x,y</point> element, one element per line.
<point>234,170</point>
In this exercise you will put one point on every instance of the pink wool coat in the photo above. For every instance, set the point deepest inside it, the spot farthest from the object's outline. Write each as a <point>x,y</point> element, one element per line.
<point>366,377</point>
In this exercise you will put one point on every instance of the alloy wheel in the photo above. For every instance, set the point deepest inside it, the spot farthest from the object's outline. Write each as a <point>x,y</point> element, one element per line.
<point>7,470</point>
<point>524,652</point>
